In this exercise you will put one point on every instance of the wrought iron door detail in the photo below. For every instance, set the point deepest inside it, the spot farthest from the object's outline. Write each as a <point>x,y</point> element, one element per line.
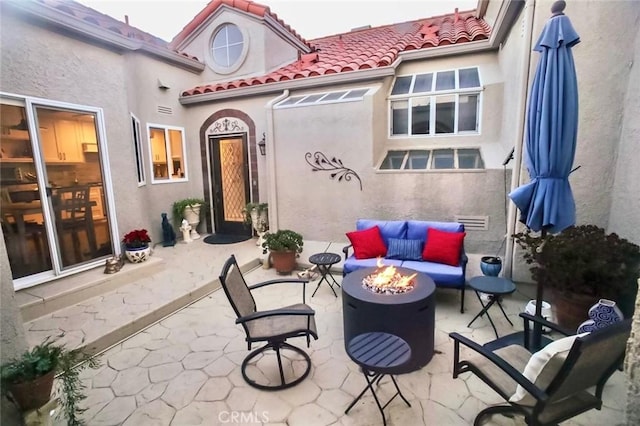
<point>226,125</point>
<point>320,163</point>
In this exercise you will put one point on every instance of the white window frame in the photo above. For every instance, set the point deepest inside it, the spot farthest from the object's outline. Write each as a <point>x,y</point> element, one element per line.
<point>167,142</point>
<point>319,98</point>
<point>430,168</point>
<point>136,135</point>
<point>433,95</point>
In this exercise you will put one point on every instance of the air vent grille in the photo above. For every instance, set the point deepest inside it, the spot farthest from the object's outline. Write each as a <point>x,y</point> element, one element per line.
<point>165,110</point>
<point>473,223</point>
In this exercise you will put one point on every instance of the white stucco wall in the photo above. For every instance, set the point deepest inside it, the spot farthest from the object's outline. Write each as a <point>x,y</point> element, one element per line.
<point>624,218</point>
<point>322,208</point>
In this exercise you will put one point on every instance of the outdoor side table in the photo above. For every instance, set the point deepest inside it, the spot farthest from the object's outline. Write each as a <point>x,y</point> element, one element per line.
<point>378,354</point>
<point>496,287</point>
<point>324,262</point>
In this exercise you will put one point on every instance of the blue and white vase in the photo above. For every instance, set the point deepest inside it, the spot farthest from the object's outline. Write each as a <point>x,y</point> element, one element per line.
<point>138,255</point>
<point>602,314</point>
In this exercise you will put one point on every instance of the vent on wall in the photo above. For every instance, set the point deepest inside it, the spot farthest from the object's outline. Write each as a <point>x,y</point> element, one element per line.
<point>473,223</point>
<point>165,110</point>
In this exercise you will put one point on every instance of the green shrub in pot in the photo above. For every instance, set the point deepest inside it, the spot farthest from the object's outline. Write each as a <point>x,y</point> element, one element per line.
<point>584,260</point>
<point>29,378</point>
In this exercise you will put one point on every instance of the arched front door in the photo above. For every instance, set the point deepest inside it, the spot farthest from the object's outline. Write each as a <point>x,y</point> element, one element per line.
<point>230,181</point>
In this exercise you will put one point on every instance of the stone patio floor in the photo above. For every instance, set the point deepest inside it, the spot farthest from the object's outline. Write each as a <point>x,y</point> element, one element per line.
<point>185,370</point>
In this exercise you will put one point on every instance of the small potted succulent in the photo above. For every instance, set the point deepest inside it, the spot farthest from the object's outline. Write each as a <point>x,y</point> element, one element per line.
<point>136,245</point>
<point>284,247</point>
<point>29,378</point>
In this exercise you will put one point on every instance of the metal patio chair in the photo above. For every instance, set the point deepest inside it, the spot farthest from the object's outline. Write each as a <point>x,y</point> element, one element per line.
<point>272,326</point>
<point>562,380</point>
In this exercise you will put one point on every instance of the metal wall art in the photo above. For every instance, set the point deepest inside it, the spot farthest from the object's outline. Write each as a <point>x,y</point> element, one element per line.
<point>225,125</point>
<point>320,163</point>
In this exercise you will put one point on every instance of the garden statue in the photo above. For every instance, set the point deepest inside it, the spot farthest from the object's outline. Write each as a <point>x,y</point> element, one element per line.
<point>168,234</point>
<point>185,228</point>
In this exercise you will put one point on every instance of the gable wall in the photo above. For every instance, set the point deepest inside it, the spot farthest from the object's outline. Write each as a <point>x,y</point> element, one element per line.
<point>267,50</point>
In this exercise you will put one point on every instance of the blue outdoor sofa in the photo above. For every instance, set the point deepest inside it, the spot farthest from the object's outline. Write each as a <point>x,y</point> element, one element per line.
<point>443,275</point>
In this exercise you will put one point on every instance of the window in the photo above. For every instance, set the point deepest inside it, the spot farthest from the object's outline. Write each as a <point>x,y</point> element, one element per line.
<point>424,159</point>
<point>167,150</point>
<point>137,148</point>
<point>324,98</point>
<point>439,103</point>
<point>227,46</point>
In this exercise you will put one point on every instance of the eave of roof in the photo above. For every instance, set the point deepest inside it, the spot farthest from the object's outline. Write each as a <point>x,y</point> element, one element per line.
<point>93,25</point>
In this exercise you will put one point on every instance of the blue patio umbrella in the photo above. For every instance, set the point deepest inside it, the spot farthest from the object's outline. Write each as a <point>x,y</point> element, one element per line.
<point>546,202</point>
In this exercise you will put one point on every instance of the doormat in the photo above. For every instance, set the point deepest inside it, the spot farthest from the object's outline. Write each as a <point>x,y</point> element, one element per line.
<point>225,238</point>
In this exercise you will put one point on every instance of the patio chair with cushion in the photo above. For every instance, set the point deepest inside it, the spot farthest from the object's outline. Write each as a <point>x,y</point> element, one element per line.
<point>552,385</point>
<point>273,326</point>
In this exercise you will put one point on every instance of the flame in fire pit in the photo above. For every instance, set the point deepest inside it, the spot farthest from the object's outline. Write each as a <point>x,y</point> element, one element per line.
<point>388,280</point>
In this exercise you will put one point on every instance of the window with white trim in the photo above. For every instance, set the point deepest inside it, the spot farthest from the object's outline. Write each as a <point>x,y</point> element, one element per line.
<point>324,98</point>
<point>433,159</point>
<point>137,148</point>
<point>438,103</point>
<point>168,154</point>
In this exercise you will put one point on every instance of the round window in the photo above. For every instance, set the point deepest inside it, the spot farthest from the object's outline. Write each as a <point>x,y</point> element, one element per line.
<point>227,45</point>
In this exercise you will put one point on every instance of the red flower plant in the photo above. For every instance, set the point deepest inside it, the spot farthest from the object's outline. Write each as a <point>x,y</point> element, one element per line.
<point>138,238</point>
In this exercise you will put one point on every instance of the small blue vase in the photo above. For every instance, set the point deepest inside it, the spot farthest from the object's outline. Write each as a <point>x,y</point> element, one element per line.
<point>491,266</point>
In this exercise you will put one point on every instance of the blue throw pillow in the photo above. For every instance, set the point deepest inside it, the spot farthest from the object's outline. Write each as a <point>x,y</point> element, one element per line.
<point>404,249</point>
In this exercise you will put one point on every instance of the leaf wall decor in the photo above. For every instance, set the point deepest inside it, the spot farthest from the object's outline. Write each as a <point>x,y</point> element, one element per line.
<point>320,163</point>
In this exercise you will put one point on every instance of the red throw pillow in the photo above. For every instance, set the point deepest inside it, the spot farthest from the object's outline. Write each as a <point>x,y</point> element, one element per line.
<point>367,243</point>
<point>443,247</point>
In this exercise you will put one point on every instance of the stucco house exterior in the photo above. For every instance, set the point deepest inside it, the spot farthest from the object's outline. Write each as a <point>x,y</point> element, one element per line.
<point>416,120</point>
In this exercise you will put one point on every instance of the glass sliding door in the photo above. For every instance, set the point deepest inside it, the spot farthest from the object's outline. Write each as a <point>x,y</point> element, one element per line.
<point>22,217</point>
<point>53,207</point>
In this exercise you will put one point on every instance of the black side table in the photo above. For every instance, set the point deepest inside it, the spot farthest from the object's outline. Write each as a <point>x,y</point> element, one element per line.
<point>496,287</point>
<point>379,354</point>
<point>324,262</point>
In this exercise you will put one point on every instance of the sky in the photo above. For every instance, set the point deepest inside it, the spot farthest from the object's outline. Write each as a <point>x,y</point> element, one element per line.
<point>309,18</point>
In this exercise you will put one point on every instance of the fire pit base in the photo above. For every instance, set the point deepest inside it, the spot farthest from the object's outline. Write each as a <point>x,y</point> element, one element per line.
<point>410,315</point>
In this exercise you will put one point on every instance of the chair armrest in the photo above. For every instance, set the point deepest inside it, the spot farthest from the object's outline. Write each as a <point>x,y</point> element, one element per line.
<point>503,365</point>
<point>528,317</point>
<point>275,312</point>
<point>278,281</point>
<point>345,250</point>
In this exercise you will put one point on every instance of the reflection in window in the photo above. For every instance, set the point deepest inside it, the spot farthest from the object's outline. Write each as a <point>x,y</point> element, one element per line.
<point>167,150</point>
<point>424,159</point>
<point>445,102</point>
<point>227,45</point>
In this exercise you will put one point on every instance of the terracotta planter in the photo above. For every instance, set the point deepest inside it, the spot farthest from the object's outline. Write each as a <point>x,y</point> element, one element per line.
<point>570,310</point>
<point>33,394</point>
<point>283,261</point>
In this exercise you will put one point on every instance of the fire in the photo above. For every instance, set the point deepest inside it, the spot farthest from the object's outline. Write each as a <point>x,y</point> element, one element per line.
<point>388,280</point>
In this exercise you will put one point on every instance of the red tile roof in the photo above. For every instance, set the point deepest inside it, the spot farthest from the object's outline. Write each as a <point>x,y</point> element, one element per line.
<point>364,49</point>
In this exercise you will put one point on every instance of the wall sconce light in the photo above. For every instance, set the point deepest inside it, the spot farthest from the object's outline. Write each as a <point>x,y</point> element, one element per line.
<point>262,145</point>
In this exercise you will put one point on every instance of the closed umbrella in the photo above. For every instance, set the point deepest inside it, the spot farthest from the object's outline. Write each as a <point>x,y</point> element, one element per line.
<point>546,202</point>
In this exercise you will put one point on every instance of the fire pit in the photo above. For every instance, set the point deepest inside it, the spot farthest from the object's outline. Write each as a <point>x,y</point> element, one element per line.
<point>387,280</point>
<point>408,312</point>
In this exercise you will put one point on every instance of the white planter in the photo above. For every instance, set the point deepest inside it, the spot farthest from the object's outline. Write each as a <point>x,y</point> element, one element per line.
<point>260,224</point>
<point>138,255</point>
<point>192,215</point>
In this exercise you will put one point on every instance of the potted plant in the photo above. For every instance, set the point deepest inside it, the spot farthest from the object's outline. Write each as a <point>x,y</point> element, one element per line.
<point>29,378</point>
<point>284,246</point>
<point>136,245</point>
<point>190,210</point>
<point>257,215</point>
<point>490,266</point>
<point>581,265</point>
